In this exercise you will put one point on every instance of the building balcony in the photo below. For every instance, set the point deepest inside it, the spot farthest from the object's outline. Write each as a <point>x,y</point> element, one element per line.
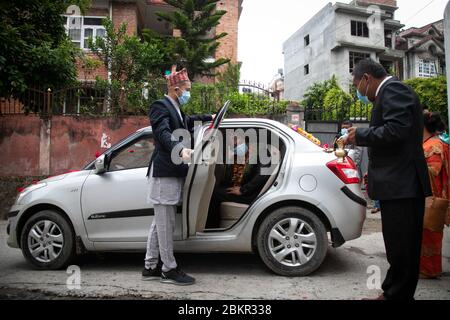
<point>357,46</point>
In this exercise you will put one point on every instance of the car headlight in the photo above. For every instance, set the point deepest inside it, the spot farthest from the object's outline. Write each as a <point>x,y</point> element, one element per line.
<point>28,190</point>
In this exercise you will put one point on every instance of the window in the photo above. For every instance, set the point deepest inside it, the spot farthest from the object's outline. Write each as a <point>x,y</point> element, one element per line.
<point>359,29</point>
<point>388,38</point>
<point>134,156</point>
<point>306,69</point>
<point>307,41</point>
<point>80,29</point>
<point>427,68</point>
<point>356,57</point>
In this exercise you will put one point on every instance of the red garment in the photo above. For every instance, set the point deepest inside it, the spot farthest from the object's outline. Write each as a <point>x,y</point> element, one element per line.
<point>437,157</point>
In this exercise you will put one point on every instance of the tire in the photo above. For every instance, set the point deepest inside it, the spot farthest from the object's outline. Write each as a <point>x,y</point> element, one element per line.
<point>51,236</point>
<point>288,246</point>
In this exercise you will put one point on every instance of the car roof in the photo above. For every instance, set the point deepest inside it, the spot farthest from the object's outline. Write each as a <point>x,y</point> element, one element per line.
<point>234,121</point>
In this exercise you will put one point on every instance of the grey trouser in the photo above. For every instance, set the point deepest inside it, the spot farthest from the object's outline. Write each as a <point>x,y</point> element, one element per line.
<point>160,238</point>
<point>165,194</point>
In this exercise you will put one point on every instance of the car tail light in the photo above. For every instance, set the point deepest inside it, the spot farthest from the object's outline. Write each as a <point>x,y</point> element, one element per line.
<point>346,170</point>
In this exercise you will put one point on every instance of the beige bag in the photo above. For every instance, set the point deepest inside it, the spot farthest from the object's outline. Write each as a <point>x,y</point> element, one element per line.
<point>435,211</point>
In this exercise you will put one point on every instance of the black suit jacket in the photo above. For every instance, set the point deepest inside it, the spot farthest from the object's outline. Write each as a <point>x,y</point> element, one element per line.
<point>397,167</point>
<point>164,120</point>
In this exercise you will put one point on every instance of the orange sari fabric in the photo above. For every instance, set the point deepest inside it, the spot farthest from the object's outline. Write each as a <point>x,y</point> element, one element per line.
<point>437,157</point>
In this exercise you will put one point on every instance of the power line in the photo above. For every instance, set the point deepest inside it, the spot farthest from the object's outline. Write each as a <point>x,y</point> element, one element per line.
<point>413,16</point>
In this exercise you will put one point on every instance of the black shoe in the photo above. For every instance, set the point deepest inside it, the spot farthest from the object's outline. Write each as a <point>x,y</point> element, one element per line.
<point>151,274</point>
<point>177,276</point>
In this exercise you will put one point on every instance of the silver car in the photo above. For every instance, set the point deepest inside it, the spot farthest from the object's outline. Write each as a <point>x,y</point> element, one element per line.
<point>310,199</point>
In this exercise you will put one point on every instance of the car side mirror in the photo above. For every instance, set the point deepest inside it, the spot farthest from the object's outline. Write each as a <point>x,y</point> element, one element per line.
<point>100,165</point>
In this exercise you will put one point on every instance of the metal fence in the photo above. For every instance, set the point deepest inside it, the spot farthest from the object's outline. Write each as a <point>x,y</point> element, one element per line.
<point>91,99</point>
<point>356,112</point>
<point>82,99</point>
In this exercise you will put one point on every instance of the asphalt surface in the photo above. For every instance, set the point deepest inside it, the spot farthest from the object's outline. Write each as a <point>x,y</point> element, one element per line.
<point>344,275</point>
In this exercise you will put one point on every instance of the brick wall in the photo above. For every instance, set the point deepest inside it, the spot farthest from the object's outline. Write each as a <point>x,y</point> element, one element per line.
<point>19,142</point>
<point>32,146</point>
<point>229,24</point>
<point>125,12</point>
<point>85,74</point>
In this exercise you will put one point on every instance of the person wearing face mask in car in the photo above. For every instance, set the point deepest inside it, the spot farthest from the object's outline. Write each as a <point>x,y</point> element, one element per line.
<point>243,181</point>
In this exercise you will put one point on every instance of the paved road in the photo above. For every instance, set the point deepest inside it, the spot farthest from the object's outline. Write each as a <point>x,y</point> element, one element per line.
<point>219,276</point>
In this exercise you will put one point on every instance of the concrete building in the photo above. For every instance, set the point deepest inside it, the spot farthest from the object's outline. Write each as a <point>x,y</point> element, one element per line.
<point>336,38</point>
<point>276,85</point>
<point>424,50</point>
<point>140,14</point>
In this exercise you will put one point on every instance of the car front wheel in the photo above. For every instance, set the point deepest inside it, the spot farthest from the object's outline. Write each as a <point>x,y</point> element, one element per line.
<point>292,241</point>
<point>47,240</point>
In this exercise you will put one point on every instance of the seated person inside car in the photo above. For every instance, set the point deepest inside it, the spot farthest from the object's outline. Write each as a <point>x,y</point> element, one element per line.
<point>242,181</point>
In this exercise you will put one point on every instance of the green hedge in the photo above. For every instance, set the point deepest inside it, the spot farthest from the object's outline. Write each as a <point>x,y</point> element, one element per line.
<point>432,93</point>
<point>209,99</point>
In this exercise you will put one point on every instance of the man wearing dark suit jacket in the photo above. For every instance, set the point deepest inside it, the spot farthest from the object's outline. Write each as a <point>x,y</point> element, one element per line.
<point>166,174</point>
<point>398,174</point>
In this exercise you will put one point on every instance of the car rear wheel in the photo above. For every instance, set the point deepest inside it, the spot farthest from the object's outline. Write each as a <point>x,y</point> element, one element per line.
<point>47,240</point>
<point>292,241</point>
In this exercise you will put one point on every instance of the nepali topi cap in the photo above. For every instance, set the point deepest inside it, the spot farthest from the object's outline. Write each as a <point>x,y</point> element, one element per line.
<point>176,77</point>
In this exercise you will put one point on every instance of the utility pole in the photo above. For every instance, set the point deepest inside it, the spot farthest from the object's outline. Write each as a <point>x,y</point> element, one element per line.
<point>447,51</point>
<point>446,240</point>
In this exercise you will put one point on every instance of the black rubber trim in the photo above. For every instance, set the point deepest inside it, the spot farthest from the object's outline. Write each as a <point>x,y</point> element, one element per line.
<point>13,214</point>
<point>354,197</point>
<point>126,214</point>
<point>337,238</point>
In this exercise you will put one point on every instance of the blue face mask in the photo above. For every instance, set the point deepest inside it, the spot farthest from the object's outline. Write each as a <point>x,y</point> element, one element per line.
<point>363,99</point>
<point>344,131</point>
<point>240,150</point>
<point>184,98</point>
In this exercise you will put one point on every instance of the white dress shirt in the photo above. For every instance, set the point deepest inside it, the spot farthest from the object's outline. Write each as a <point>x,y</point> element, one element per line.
<point>176,106</point>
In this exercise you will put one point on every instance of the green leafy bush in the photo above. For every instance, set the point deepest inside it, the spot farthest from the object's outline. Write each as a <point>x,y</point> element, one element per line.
<point>432,93</point>
<point>315,94</point>
<point>209,98</point>
<point>337,103</point>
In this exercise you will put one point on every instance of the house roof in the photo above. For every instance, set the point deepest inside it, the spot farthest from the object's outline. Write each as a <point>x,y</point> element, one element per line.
<point>425,40</point>
<point>419,31</point>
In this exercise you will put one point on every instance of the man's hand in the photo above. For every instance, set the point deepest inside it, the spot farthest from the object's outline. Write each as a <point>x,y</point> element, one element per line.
<point>235,190</point>
<point>186,155</point>
<point>351,139</point>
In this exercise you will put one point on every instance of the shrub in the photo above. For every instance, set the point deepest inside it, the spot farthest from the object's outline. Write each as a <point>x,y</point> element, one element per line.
<point>432,93</point>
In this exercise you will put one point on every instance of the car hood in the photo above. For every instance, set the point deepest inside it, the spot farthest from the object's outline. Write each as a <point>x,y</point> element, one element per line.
<point>71,174</point>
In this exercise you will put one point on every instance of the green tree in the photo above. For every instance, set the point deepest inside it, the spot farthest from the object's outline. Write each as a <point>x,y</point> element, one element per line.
<point>231,76</point>
<point>337,104</point>
<point>166,46</point>
<point>134,66</point>
<point>432,93</point>
<point>195,19</point>
<point>34,48</point>
<point>315,94</point>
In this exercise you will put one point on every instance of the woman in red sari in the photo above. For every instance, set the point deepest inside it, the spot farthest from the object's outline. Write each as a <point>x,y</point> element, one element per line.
<point>437,157</point>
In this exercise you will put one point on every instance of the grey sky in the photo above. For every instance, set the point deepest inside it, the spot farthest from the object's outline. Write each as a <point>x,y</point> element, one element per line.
<point>266,24</point>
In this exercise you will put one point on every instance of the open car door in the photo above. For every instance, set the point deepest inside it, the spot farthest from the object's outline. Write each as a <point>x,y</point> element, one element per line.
<point>201,180</point>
